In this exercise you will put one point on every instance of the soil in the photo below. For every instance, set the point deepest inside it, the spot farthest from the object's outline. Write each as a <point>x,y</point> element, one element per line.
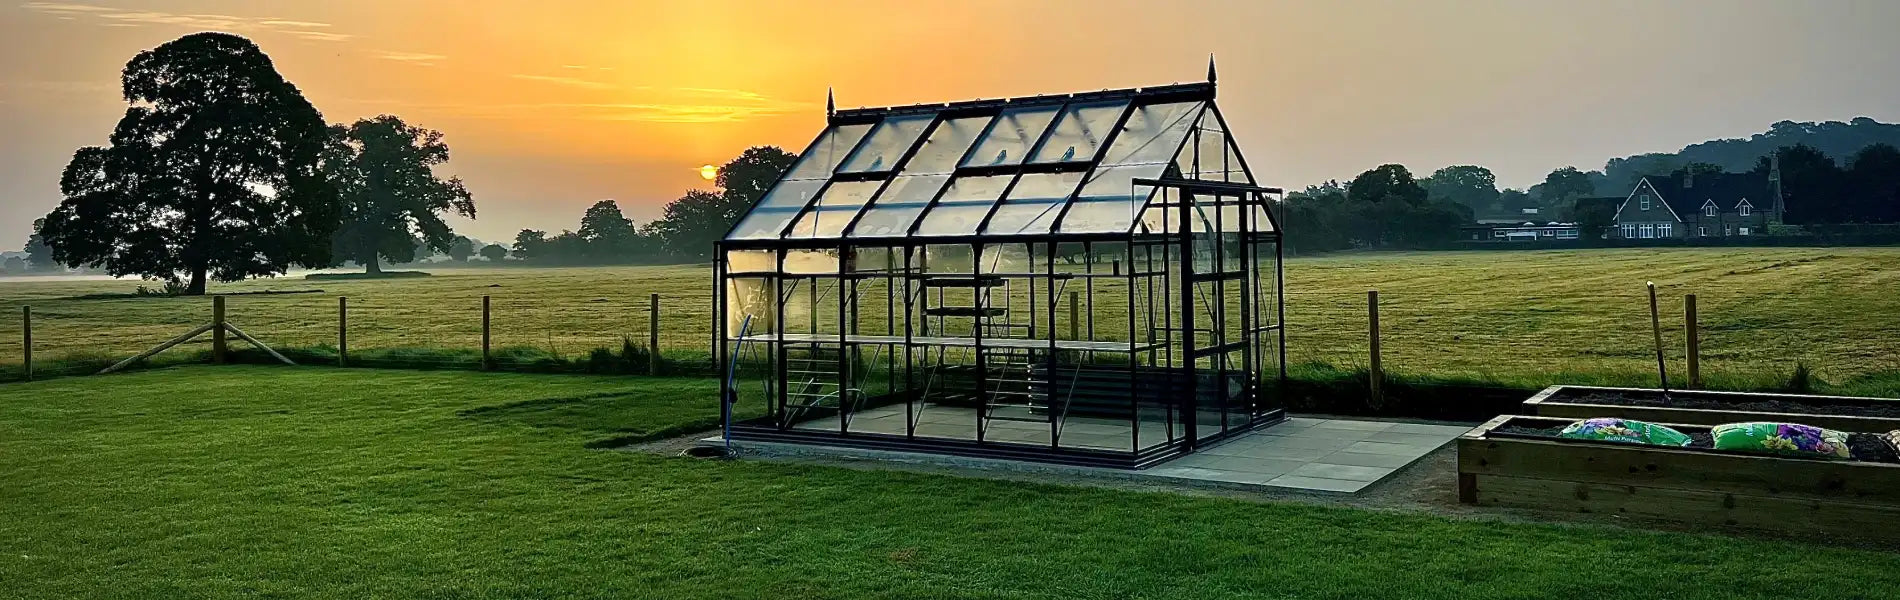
<point>1865,447</point>
<point>1868,408</point>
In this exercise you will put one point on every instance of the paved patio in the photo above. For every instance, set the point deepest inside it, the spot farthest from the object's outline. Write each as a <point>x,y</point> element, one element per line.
<point>1330,455</point>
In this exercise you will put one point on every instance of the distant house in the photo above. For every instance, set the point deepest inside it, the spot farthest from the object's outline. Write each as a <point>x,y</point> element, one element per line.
<point>1699,205</point>
<point>1528,231</point>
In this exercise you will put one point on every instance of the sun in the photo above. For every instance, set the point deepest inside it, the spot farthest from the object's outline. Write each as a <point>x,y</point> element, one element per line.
<point>708,172</point>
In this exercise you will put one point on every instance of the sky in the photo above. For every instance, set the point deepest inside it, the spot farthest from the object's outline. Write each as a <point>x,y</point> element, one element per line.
<point>550,106</point>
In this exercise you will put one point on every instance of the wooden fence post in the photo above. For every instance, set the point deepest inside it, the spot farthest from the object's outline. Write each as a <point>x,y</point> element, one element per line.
<point>26,329</point>
<point>1075,318</point>
<point>1377,372</point>
<point>342,331</point>
<point>653,334</point>
<point>1695,345</point>
<point>218,348</point>
<point>486,363</point>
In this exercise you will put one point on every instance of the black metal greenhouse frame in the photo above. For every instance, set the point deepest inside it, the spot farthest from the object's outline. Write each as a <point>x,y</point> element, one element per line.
<point>1177,376</point>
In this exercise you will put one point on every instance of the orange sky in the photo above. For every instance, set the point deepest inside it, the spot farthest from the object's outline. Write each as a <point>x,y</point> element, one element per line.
<point>549,106</point>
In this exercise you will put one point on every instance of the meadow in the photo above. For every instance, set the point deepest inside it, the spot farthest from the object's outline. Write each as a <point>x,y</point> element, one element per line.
<point>1525,318</point>
<point>258,481</point>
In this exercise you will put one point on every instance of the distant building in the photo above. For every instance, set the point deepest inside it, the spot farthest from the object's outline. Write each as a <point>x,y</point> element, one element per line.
<point>1699,205</point>
<point>1529,231</point>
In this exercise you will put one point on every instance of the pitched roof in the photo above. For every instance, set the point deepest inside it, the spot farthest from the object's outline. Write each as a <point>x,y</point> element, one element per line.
<point>1685,194</point>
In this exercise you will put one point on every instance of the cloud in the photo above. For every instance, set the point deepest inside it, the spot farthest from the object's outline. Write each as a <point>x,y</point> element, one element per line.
<point>567,81</point>
<point>116,17</point>
<point>414,58</point>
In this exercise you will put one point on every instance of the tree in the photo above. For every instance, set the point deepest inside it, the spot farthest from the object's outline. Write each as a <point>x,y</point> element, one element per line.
<point>494,253</point>
<point>1387,183</point>
<point>1469,185</point>
<point>530,244</point>
<point>696,220</point>
<point>391,196</point>
<point>1562,187</point>
<point>461,249</point>
<point>1874,176</point>
<point>1810,185</point>
<point>608,233</point>
<point>14,266</point>
<point>213,172</point>
<point>39,256</point>
<point>1514,201</point>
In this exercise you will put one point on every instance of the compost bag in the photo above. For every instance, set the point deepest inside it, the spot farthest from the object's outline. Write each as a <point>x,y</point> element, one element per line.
<point>1792,439</point>
<point>1625,431</point>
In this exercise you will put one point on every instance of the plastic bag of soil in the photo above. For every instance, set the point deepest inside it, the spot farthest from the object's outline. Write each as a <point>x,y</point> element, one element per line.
<point>1792,439</point>
<point>1624,431</point>
<point>1892,438</point>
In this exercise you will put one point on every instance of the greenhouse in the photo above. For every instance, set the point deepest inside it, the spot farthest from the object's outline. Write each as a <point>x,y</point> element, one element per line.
<point>1090,278</point>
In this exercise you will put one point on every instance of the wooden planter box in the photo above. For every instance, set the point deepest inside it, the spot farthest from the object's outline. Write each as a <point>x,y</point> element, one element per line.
<point>1572,402</point>
<point>1797,495</point>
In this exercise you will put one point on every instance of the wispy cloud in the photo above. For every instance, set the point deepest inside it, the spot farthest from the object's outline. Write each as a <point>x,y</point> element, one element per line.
<point>567,81</point>
<point>117,17</point>
<point>414,58</point>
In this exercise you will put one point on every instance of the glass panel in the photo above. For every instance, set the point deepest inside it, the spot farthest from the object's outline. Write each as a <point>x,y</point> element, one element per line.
<point>1153,133</point>
<point>963,205</point>
<point>882,149</point>
<point>1210,155</point>
<point>898,206</point>
<point>1034,203</point>
<point>946,145</point>
<point>1079,134</point>
<point>1110,200</point>
<point>777,208</point>
<point>1010,138</point>
<point>825,153</point>
<point>834,210</point>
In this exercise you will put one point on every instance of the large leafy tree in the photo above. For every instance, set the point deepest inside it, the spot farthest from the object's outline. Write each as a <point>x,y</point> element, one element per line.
<point>1469,185</point>
<point>698,219</point>
<point>608,233</point>
<point>1874,175</point>
<point>494,253</point>
<point>39,256</point>
<point>1562,187</point>
<point>212,173</point>
<point>392,200</point>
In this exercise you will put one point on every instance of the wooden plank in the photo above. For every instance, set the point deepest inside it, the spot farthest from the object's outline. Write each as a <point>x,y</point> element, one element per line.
<point>1693,337</point>
<point>1802,515</point>
<point>26,334</point>
<point>1761,475</point>
<point>1703,416</point>
<point>160,348</point>
<point>342,331</point>
<point>260,345</point>
<point>653,333</point>
<point>1376,372</point>
<point>218,345</point>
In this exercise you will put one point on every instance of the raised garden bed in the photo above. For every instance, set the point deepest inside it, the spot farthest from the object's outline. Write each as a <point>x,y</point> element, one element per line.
<point>1844,413</point>
<point>1517,461</point>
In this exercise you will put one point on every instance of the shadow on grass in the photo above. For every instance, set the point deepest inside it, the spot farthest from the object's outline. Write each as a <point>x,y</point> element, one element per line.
<point>663,408</point>
<point>361,276</point>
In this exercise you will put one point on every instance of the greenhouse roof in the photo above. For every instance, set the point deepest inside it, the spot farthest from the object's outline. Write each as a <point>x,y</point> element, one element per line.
<point>1084,163</point>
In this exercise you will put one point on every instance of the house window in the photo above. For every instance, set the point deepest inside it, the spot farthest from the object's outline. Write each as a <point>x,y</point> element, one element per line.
<point>1744,231</point>
<point>1727,231</point>
<point>1745,208</point>
<point>1643,200</point>
<point>1646,231</point>
<point>1664,230</point>
<point>1701,231</point>
<point>1629,230</point>
<point>1566,234</point>
<point>1708,210</point>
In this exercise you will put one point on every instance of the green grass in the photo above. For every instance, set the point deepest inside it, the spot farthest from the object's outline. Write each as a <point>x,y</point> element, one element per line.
<point>1523,319</point>
<point>227,482</point>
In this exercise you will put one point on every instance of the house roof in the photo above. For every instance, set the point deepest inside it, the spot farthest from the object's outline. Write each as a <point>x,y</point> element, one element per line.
<point>1084,163</point>
<point>1685,194</point>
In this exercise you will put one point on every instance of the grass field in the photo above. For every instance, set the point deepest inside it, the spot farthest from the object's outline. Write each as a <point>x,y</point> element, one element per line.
<point>1526,318</point>
<point>227,482</point>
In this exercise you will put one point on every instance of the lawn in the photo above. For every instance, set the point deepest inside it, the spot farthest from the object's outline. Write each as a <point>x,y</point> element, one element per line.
<point>1525,318</point>
<point>221,482</point>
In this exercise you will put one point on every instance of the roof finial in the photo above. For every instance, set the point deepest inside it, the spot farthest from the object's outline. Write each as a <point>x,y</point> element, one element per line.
<point>831,105</point>
<point>1210,67</point>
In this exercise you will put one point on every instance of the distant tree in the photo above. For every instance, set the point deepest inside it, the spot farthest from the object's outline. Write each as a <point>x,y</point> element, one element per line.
<point>1514,201</point>
<point>696,220</point>
<point>14,266</point>
<point>530,244</point>
<point>1873,174</point>
<point>39,256</point>
<point>1810,185</point>
<point>1625,172</point>
<point>213,172</point>
<point>461,249</point>
<point>391,194</point>
<point>1469,185</point>
<point>1387,183</point>
<point>1562,187</point>
<point>609,234</point>
<point>494,253</point>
